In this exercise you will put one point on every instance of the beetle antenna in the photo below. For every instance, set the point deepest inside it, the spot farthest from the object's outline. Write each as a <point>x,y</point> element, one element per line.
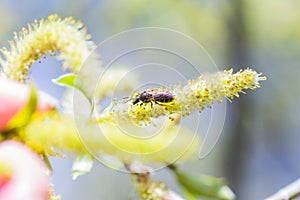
<point>127,99</point>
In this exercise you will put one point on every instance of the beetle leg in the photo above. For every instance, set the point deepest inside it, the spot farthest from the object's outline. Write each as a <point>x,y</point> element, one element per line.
<point>158,103</point>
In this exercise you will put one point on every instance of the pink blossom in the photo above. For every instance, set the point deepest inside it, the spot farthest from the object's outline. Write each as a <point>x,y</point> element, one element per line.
<point>27,179</point>
<point>14,96</point>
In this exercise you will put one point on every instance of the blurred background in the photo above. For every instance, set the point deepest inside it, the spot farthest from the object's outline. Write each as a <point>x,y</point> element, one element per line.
<point>258,152</point>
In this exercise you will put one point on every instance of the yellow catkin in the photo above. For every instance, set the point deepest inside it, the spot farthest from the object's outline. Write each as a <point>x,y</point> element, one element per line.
<point>66,36</point>
<point>62,134</point>
<point>196,95</point>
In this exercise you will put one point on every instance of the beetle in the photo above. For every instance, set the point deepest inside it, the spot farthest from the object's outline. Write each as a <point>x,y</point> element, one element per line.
<point>156,95</point>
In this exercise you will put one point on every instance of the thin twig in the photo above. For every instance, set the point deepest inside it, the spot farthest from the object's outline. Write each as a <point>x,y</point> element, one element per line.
<point>150,189</point>
<point>287,193</point>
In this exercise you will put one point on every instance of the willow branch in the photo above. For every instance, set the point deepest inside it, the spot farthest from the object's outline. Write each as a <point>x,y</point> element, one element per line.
<point>289,192</point>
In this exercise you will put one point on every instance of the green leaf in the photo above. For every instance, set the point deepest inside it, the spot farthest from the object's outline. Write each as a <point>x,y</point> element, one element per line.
<point>82,165</point>
<point>188,195</point>
<point>47,161</point>
<point>24,115</point>
<point>203,185</point>
<point>69,80</point>
<point>66,80</point>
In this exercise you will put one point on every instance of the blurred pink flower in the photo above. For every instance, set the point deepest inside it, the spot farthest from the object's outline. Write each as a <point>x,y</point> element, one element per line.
<point>14,96</point>
<point>27,178</point>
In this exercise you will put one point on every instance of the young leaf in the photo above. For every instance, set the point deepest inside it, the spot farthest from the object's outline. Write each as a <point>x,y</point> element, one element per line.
<point>82,165</point>
<point>69,80</point>
<point>24,115</point>
<point>66,80</point>
<point>203,185</point>
<point>188,195</point>
<point>47,162</point>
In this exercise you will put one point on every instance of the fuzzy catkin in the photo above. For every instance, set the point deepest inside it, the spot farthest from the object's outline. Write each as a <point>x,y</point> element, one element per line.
<point>66,36</point>
<point>196,95</point>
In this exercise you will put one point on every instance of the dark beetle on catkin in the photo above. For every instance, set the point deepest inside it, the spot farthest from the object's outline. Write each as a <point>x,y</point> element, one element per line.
<point>156,95</point>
